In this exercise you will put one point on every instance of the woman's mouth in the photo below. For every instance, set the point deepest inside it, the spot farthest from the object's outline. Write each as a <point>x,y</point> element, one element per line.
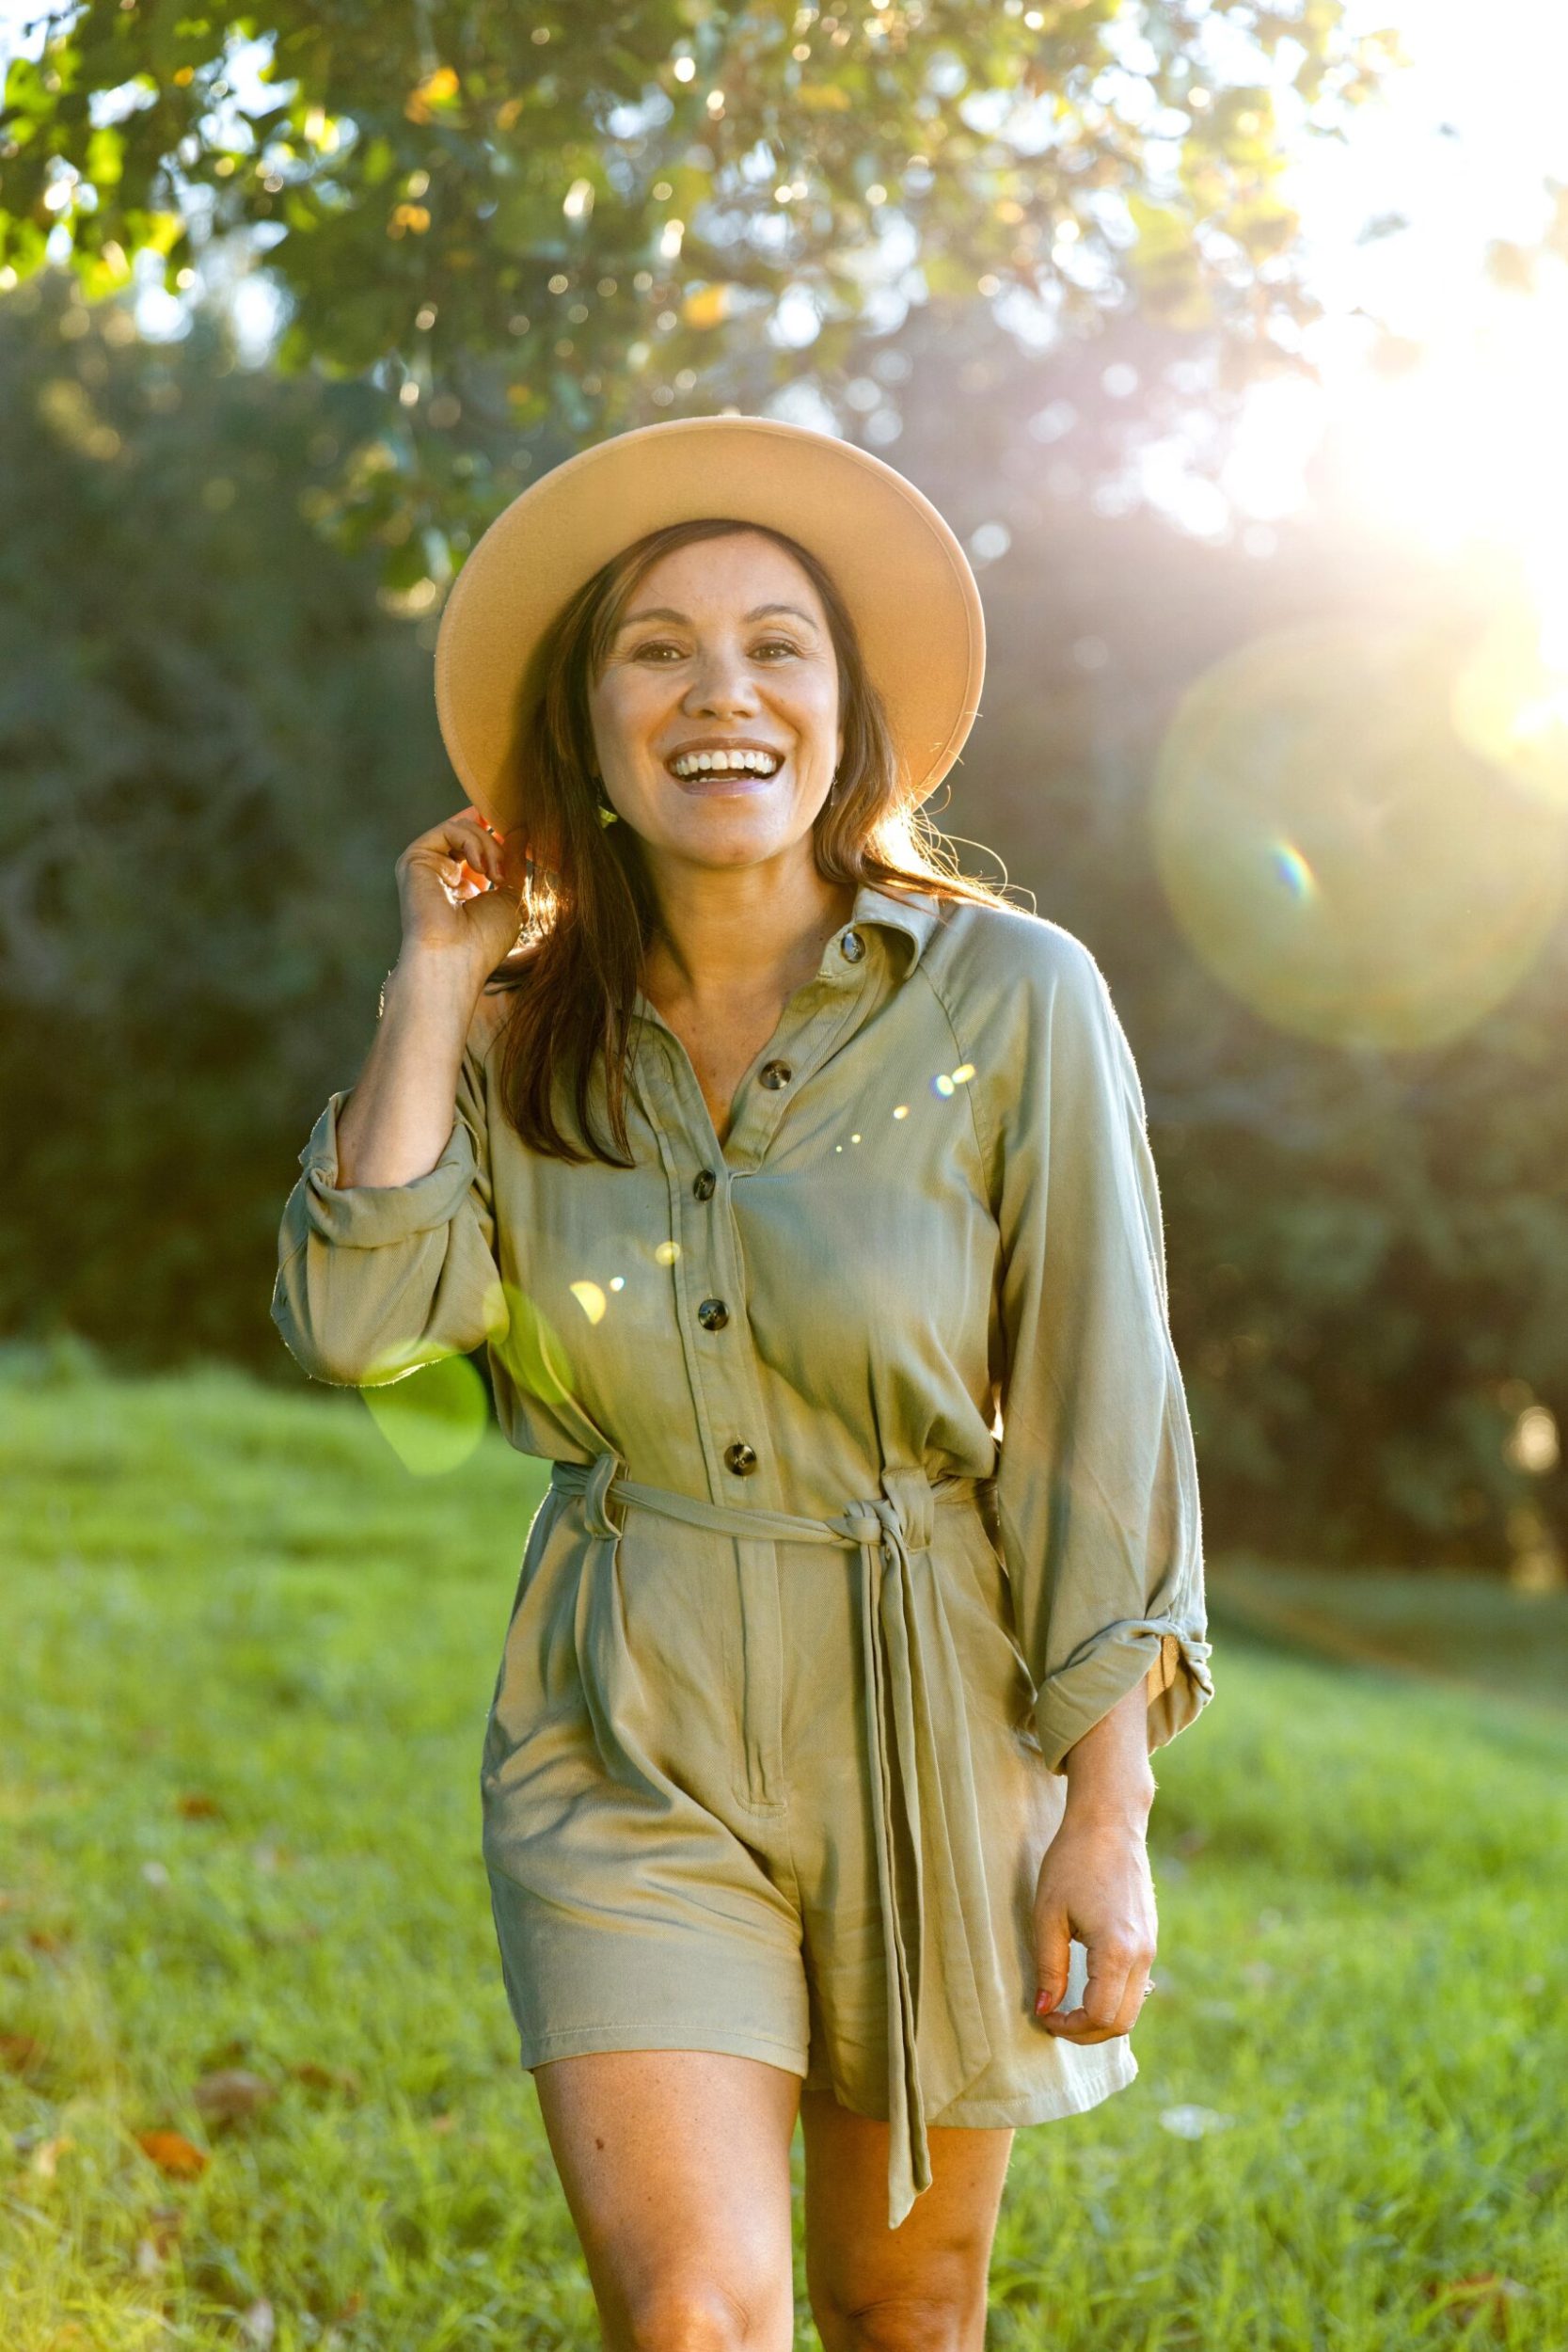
<point>743,768</point>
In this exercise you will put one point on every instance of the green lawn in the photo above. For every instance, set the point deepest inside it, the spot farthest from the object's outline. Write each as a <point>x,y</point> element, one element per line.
<point>247,1657</point>
<point>1450,1626</point>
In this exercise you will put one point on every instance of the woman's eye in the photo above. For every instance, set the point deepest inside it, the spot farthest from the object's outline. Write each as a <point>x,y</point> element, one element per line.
<point>663,647</point>
<point>778,644</point>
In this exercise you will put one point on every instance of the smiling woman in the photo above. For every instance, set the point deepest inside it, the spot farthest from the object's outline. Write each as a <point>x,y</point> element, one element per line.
<point>704,638</point>
<point>800,1191</point>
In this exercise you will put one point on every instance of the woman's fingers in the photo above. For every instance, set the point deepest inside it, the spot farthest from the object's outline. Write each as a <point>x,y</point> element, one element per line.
<point>1113,1995</point>
<point>1095,1883</point>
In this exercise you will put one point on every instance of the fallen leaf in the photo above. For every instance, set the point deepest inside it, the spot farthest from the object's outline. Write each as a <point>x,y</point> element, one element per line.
<point>173,2153</point>
<point>47,2154</point>
<point>258,2325</point>
<point>443,2123</point>
<point>20,2053</point>
<point>51,1940</point>
<point>352,2309</point>
<point>318,2077</point>
<point>231,2093</point>
<point>1192,2123</point>
<point>195,1805</point>
<point>1487,2291</point>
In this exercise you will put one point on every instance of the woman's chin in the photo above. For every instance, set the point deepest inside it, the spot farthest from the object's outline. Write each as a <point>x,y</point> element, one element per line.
<point>731,830</point>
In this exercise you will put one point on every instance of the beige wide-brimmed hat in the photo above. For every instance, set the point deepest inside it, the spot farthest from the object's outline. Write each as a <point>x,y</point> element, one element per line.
<point>901,570</point>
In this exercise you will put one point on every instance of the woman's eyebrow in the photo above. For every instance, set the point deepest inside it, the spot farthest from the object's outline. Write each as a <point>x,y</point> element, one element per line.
<point>668,613</point>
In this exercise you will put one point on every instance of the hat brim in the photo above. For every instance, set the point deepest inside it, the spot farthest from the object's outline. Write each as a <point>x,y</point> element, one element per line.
<point>899,569</point>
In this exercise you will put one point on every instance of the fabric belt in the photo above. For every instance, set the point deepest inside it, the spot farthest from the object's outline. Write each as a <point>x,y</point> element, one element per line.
<point>943,1973</point>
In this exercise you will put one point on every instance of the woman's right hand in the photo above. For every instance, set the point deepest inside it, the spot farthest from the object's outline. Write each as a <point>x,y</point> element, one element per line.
<point>460,887</point>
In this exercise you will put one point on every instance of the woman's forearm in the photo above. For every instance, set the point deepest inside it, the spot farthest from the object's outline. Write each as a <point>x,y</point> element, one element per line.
<point>1108,1772</point>
<point>397,1120</point>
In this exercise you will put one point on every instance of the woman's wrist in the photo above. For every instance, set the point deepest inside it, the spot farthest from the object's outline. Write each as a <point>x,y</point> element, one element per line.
<point>1110,1781</point>
<point>446,975</point>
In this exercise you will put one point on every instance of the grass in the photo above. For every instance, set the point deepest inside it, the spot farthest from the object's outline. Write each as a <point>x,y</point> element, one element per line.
<point>1452,1626</point>
<point>247,1660</point>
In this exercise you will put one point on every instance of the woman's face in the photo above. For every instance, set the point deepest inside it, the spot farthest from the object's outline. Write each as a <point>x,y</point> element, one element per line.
<point>724,648</point>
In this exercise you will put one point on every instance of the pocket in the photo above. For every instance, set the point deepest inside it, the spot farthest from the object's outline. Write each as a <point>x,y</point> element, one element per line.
<point>996,1673</point>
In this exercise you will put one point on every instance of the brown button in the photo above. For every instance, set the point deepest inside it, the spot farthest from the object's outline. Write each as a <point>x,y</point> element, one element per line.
<point>740,1459</point>
<point>851,946</point>
<point>713,1314</point>
<point>703,1184</point>
<point>776,1075</point>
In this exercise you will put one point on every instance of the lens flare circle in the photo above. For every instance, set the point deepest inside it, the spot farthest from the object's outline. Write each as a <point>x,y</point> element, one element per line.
<point>1335,854</point>
<point>434,1418</point>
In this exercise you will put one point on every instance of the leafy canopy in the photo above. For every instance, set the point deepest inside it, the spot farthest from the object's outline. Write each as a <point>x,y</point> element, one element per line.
<point>530,226</point>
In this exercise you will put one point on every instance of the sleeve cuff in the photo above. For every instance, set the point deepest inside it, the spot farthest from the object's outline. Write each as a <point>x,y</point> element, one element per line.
<point>1172,1661</point>
<point>365,1216</point>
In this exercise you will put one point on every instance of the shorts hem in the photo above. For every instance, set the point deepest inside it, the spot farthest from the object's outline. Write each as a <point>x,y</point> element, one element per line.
<point>1040,2106</point>
<point>585,2041</point>
<point>1025,2106</point>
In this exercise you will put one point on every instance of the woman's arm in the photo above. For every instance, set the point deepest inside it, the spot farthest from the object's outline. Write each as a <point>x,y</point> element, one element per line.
<point>386,1244</point>
<point>1097,1482</point>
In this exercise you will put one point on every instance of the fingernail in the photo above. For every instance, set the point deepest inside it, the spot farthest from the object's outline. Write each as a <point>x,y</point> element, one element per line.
<point>1043,2004</point>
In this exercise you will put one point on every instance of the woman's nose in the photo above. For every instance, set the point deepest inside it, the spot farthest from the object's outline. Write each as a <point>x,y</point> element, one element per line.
<point>721,683</point>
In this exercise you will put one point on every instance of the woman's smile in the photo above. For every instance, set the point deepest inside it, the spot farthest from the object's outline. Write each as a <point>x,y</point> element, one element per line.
<point>709,774</point>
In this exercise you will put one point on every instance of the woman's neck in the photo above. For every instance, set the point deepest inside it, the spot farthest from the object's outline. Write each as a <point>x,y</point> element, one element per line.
<point>743,936</point>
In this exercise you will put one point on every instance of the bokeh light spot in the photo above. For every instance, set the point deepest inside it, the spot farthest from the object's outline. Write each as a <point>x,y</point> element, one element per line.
<point>1334,853</point>
<point>432,1418</point>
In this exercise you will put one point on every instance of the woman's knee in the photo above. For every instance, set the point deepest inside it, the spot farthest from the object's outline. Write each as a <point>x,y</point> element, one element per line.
<point>703,2315</point>
<point>938,2320</point>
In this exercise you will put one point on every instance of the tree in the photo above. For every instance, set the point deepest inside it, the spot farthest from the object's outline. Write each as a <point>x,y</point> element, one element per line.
<point>531,226</point>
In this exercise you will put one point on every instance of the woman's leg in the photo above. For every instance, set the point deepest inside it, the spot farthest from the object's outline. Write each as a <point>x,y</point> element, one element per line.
<point>921,2287</point>
<point>676,2165</point>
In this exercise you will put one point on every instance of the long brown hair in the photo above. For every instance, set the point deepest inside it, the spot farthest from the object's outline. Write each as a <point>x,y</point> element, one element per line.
<point>589,913</point>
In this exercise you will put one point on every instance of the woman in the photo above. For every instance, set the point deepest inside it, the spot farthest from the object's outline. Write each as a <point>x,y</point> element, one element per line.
<point>801,1193</point>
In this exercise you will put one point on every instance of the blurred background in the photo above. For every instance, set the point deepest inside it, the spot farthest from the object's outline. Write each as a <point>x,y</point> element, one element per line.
<point>1230,337</point>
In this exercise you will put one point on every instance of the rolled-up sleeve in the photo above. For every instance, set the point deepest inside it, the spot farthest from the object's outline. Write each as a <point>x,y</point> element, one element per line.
<point>1097,1481</point>
<point>375,1280</point>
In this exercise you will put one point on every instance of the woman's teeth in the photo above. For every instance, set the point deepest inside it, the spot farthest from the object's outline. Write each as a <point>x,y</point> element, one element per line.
<point>725,763</point>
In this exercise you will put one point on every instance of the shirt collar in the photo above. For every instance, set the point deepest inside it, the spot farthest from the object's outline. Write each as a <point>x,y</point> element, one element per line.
<point>914,913</point>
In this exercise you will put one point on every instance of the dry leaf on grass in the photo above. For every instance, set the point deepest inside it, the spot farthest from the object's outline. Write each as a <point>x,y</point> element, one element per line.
<point>258,2326</point>
<point>231,2093</point>
<point>318,2077</point>
<point>1488,2291</point>
<point>47,2154</point>
<point>195,1805</point>
<point>173,2153</point>
<point>50,1941</point>
<point>20,2053</point>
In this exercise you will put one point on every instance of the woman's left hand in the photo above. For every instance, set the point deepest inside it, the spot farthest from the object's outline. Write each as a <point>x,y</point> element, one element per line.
<point>1094,1885</point>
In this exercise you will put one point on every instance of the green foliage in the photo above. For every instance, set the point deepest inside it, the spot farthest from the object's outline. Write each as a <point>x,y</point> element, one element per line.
<point>515,219</point>
<point>252,1658</point>
<point>217,742</point>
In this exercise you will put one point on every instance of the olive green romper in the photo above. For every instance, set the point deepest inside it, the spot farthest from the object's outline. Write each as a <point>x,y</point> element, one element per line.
<point>874,1490</point>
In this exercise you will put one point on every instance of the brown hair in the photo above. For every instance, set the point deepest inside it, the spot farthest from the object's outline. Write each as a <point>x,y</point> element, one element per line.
<point>589,913</point>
